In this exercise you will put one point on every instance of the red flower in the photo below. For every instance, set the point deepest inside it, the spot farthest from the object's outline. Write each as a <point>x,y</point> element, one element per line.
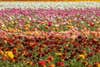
<point>42,63</point>
<point>61,64</point>
<point>50,58</point>
<point>91,24</point>
<point>49,23</point>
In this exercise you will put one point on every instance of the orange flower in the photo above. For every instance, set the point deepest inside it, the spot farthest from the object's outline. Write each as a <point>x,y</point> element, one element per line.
<point>85,63</point>
<point>50,58</point>
<point>13,60</point>
<point>28,33</point>
<point>11,29</point>
<point>70,26</point>
<point>37,33</point>
<point>98,65</point>
<point>52,65</point>
<point>82,56</point>
<point>27,26</point>
<point>1,52</point>
<point>4,58</point>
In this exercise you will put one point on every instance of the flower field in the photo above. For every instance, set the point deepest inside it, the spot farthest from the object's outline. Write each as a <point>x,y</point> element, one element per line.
<point>51,37</point>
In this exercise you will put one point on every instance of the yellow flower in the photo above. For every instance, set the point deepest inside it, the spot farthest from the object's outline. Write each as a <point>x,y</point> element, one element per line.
<point>82,56</point>
<point>70,26</point>
<point>37,33</point>
<point>4,27</point>
<point>10,54</point>
<point>62,59</point>
<point>27,26</point>
<point>56,25</point>
<point>59,54</point>
<point>18,30</point>
<point>12,22</point>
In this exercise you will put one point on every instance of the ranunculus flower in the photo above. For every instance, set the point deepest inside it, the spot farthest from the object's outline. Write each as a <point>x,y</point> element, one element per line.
<point>82,56</point>
<point>91,24</point>
<point>52,65</point>
<point>50,58</point>
<point>49,23</point>
<point>61,64</point>
<point>10,54</point>
<point>42,63</point>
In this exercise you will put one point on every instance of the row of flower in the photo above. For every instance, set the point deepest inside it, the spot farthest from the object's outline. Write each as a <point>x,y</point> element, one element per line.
<point>51,37</point>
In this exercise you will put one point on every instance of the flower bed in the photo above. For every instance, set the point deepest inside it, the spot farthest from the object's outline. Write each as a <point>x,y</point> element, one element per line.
<point>50,37</point>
